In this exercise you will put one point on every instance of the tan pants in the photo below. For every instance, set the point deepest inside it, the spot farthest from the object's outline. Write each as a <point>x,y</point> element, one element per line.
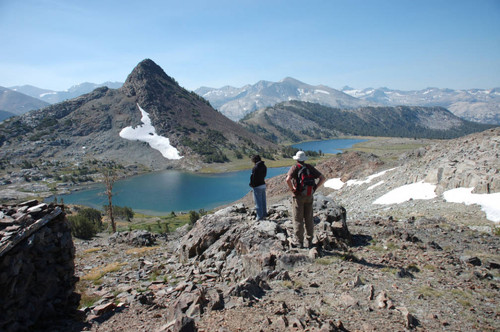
<point>302,207</point>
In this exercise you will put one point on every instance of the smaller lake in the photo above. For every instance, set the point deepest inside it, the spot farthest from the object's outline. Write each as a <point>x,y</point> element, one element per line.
<point>333,146</point>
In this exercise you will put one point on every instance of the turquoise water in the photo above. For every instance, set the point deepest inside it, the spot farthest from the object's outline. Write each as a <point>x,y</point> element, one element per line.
<point>333,146</point>
<point>162,192</point>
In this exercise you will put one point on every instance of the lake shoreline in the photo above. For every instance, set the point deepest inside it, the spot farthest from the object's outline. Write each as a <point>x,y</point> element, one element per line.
<point>369,144</point>
<point>142,185</point>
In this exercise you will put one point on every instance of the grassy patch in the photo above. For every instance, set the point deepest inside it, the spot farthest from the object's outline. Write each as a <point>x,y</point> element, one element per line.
<point>98,272</point>
<point>292,284</point>
<point>389,149</point>
<point>91,250</point>
<point>430,267</point>
<point>391,246</point>
<point>375,248</point>
<point>155,224</point>
<point>140,251</point>
<point>463,297</point>
<point>326,260</point>
<point>86,299</point>
<point>391,270</point>
<point>428,291</point>
<point>245,164</point>
<point>379,247</point>
<point>350,257</point>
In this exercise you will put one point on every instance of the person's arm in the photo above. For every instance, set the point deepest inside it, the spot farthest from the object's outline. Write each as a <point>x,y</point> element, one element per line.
<point>251,184</point>
<point>290,183</point>
<point>322,180</point>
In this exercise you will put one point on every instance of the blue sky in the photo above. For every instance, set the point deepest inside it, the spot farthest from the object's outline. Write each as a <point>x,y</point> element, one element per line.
<point>403,44</point>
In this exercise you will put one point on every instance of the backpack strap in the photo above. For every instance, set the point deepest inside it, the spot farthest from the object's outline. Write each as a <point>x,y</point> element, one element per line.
<point>297,179</point>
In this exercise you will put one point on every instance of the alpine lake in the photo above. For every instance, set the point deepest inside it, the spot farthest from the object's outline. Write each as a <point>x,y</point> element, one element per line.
<point>160,193</point>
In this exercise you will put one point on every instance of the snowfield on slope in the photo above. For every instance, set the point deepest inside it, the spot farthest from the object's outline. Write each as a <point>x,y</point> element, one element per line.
<point>147,133</point>
<point>490,203</point>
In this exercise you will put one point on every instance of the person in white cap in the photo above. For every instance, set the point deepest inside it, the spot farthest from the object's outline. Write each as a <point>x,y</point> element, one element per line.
<point>301,179</point>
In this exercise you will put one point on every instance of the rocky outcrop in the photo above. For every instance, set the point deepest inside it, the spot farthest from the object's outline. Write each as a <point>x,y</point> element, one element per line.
<point>236,247</point>
<point>36,265</point>
<point>470,162</point>
<point>137,238</point>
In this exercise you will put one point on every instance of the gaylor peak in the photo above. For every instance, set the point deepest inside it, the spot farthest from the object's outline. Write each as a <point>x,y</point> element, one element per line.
<point>147,75</point>
<point>147,69</point>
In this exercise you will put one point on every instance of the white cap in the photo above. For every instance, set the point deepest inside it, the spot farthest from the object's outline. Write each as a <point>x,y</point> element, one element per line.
<point>300,156</point>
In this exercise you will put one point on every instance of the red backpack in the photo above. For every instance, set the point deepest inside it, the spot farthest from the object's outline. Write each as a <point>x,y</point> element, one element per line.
<point>305,180</point>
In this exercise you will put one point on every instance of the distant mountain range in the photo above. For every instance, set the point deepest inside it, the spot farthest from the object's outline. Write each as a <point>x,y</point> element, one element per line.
<point>295,121</point>
<point>235,103</point>
<point>53,97</point>
<point>474,105</point>
<point>15,103</point>
<point>18,100</point>
<point>479,105</point>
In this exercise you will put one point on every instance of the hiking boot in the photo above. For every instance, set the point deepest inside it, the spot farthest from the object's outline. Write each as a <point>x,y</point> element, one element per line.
<point>294,244</point>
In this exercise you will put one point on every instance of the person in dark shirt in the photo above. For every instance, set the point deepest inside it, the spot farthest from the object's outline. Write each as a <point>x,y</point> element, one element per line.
<point>302,202</point>
<point>258,184</point>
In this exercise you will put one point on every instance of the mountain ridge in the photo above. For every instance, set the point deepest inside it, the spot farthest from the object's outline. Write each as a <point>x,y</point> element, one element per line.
<point>478,105</point>
<point>17,103</point>
<point>294,121</point>
<point>53,97</point>
<point>89,126</point>
<point>235,103</point>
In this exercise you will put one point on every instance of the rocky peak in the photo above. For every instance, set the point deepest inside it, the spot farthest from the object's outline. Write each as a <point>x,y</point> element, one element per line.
<point>147,76</point>
<point>146,69</point>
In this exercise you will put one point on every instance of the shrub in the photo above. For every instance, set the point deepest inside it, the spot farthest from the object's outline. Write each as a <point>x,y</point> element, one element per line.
<point>82,227</point>
<point>92,215</point>
<point>86,224</point>
<point>121,212</point>
<point>193,217</point>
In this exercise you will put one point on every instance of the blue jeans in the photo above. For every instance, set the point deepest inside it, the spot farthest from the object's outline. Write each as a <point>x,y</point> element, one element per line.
<point>259,197</point>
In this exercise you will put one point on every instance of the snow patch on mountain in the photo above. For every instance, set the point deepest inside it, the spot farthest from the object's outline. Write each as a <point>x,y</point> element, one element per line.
<point>490,203</point>
<point>47,94</point>
<point>337,183</point>
<point>419,190</point>
<point>147,133</point>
